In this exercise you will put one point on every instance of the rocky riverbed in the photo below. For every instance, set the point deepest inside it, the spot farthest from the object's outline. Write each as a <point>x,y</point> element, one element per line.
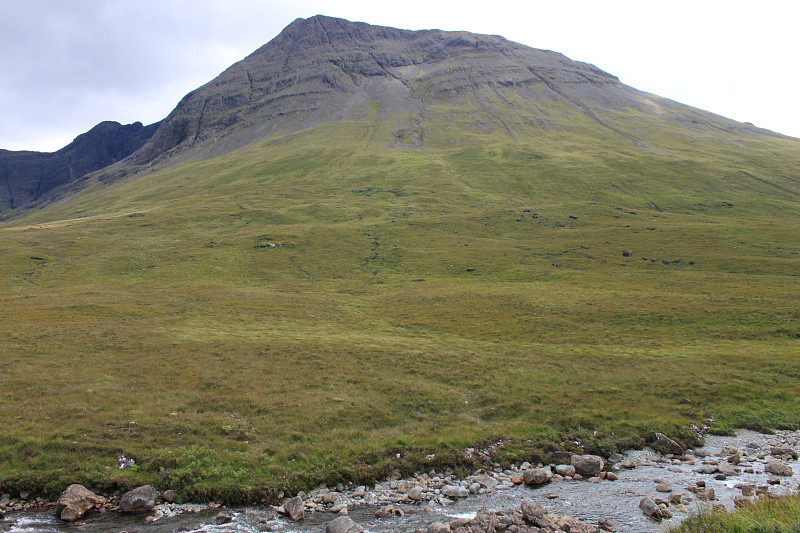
<point>641,491</point>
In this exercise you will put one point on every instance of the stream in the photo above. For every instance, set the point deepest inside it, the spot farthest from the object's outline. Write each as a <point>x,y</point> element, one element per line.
<point>587,501</point>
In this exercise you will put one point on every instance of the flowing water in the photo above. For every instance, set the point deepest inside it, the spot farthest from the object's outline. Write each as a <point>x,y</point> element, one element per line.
<point>584,500</point>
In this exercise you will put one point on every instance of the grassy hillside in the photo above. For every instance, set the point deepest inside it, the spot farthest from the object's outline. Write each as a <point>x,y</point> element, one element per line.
<point>290,311</point>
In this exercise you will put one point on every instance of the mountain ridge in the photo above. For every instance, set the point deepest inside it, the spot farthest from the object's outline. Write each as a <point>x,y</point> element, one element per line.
<point>29,176</point>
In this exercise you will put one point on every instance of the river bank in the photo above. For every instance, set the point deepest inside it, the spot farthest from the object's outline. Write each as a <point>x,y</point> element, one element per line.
<point>725,470</point>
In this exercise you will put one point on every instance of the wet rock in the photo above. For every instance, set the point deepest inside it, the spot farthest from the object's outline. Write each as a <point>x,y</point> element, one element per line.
<point>783,450</point>
<point>75,501</point>
<point>663,487</point>
<point>294,508</point>
<point>537,476</point>
<point>708,469</point>
<point>778,468</point>
<point>138,500</point>
<point>706,495</point>
<point>611,476</point>
<point>650,508</point>
<point>607,524</point>
<point>343,524</point>
<point>665,444</point>
<point>224,517</point>
<point>587,465</point>
<point>728,469</point>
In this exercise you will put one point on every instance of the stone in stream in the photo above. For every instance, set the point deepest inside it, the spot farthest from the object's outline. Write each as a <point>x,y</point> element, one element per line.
<point>438,527</point>
<point>607,524</point>
<point>537,476</point>
<point>75,501</point>
<point>343,524</point>
<point>587,465</point>
<point>663,487</point>
<point>650,508</point>
<point>778,468</point>
<point>138,500</point>
<point>455,491</point>
<point>294,508</point>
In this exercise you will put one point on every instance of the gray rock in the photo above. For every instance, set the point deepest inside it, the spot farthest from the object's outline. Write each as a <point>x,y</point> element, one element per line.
<point>360,491</point>
<point>650,508</point>
<point>224,517</point>
<point>438,527</point>
<point>587,465</point>
<point>486,481</point>
<point>415,493</point>
<point>728,469</point>
<point>532,511</point>
<point>565,470</point>
<point>294,508</point>
<point>138,500</point>
<point>75,501</point>
<point>169,496</point>
<point>455,491</point>
<point>343,524</point>
<point>665,444</point>
<point>5,499</point>
<point>607,524</point>
<point>537,476</point>
<point>778,468</point>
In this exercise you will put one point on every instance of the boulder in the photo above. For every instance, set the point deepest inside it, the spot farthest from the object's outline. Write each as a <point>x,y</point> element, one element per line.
<point>486,481</point>
<point>783,450</point>
<point>75,501</point>
<point>650,508</point>
<point>138,500</point>
<point>438,527</point>
<point>343,524</point>
<point>537,476</point>
<point>415,493</point>
<point>607,524</point>
<point>532,511</point>
<point>225,517</point>
<point>665,444</point>
<point>778,468</point>
<point>587,465</point>
<point>565,470</point>
<point>169,496</point>
<point>455,491</point>
<point>294,508</point>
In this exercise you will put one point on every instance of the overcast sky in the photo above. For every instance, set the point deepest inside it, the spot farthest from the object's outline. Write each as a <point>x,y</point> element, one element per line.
<point>68,64</point>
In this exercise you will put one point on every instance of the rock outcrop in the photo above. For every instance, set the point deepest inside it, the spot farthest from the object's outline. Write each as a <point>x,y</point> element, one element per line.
<point>26,176</point>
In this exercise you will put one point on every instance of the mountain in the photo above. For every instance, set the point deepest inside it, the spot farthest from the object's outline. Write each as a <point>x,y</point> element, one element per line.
<point>364,251</point>
<point>29,176</point>
<point>328,69</point>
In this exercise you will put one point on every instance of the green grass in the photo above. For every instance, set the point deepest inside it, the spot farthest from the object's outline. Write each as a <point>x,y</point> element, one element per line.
<point>415,305</point>
<point>769,516</point>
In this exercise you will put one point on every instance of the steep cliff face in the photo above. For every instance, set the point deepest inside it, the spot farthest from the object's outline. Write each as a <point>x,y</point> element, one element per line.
<point>328,69</point>
<point>29,176</point>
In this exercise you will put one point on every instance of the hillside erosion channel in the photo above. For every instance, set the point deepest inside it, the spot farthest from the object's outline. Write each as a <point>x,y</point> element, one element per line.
<point>640,491</point>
